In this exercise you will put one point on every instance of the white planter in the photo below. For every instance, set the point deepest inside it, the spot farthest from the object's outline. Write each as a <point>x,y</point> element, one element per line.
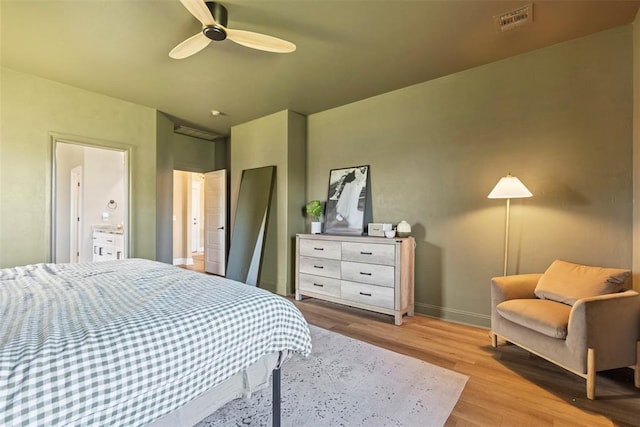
<point>316,227</point>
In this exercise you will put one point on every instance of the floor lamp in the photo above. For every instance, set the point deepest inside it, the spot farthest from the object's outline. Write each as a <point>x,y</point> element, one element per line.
<point>509,187</point>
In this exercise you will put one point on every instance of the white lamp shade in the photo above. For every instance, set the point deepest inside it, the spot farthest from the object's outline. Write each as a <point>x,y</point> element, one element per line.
<point>509,187</point>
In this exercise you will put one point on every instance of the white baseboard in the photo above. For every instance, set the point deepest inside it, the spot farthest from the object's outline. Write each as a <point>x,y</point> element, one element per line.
<point>183,261</point>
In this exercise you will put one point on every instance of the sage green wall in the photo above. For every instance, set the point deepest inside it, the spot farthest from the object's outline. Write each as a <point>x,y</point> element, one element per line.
<point>194,154</point>
<point>559,118</point>
<point>31,108</point>
<point>277,139</point>
<point>164,188</point>
<point>178,152</point>
<point>296,188</point>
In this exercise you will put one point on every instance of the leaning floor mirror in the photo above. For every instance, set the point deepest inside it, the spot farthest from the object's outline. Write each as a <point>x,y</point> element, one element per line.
<point>250,225</point>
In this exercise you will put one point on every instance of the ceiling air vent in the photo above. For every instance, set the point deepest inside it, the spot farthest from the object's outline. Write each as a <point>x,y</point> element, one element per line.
<point>514,18</point>
<point>196,133</point>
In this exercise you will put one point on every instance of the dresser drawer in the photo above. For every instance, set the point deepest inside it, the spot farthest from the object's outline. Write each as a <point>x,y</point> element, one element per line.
<point>383,275</point>
<point>320,285</point>
<point>378,296</point>
<point>320,266</point>
<point>374,253</point>
<point>321,248</point>
<point>108,239</point>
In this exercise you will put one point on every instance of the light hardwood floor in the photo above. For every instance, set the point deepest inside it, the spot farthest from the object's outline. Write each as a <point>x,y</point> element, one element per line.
<point>507,386</point>
<point>198,263</point>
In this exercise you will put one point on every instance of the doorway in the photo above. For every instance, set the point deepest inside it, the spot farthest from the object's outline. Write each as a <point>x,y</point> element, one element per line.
<point>199,221</point>
<point>90,195</point>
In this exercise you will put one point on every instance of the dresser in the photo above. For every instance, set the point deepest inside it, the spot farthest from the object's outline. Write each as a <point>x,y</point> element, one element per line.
<point>107,246</point>
<point>373,273</point>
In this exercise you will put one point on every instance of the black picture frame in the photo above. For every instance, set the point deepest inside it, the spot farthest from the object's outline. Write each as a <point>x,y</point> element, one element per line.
<point>348,206</point>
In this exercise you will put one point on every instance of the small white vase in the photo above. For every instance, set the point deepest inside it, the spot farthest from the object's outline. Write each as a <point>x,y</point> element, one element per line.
<point>403,229</point>
<point>316,227</point>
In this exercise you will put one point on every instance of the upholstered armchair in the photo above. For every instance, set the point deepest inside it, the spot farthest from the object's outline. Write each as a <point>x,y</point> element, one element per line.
<point>581,318</point>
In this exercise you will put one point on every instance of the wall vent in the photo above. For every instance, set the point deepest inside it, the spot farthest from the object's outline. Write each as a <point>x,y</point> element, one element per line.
<point>196,133</point>
<point>514,18</point>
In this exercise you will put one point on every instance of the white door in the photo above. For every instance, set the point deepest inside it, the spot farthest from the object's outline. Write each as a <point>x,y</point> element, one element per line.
<point>75,219</point>
<point>215,222</point>
<point>195,213</point>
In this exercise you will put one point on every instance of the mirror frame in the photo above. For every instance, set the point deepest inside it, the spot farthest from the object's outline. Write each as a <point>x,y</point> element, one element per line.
<point>250,227</point>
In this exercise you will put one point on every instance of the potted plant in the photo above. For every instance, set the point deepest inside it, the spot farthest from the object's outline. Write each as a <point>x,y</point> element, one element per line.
<point>314,211</point>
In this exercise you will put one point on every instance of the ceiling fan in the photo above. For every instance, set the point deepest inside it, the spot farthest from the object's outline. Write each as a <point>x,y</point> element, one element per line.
<point>213,17</point>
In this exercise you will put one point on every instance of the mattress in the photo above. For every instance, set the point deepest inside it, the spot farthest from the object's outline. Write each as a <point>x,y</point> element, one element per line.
<point>127,342</point>
<point>241,385</point>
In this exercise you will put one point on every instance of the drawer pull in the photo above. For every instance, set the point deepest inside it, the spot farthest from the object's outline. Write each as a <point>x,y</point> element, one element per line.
<point>365,274</point>
<point>366,253</point>
<point>318,266</point>
<point>318,249</point>
<point>366,294</point>
<point>320,285</point>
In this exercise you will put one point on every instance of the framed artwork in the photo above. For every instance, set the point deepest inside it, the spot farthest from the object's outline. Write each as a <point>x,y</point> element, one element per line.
<point>348,201</point>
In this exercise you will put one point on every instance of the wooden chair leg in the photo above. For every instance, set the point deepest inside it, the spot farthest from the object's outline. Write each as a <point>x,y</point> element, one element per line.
<point>494,340</point>
<point>591,374</point>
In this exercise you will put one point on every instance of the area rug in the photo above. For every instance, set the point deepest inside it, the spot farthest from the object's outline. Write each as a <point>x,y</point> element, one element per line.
<point>346,382</point>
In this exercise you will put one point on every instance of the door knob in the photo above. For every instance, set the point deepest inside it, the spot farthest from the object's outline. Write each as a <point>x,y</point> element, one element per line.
<point>221,228</point>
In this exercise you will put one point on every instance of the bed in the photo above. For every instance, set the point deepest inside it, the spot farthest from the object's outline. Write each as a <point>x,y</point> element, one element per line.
<point>135,342</point>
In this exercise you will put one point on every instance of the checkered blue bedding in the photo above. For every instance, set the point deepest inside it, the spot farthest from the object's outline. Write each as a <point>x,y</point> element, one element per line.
<point>125,342</point>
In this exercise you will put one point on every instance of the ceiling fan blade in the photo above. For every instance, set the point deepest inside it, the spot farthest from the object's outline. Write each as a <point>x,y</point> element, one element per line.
<point>260,41</point>
<point>200,10</point>
<point>190,46</point>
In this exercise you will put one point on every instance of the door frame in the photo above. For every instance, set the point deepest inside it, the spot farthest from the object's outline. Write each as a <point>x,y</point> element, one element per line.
<point>57,138</point>
<point>76,214</point>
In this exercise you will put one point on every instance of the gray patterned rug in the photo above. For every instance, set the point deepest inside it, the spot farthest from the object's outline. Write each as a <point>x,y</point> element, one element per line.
<point>346,382</point>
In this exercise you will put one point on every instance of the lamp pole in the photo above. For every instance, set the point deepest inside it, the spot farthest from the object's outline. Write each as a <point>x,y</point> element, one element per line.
<point>506,239</point>
<point>507,188</point>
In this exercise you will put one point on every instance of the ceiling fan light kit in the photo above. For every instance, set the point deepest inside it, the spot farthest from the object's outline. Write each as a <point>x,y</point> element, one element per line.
<point>213,17</point>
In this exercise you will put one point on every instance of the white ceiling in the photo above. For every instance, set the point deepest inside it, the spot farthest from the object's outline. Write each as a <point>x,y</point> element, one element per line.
<point>346,50</point>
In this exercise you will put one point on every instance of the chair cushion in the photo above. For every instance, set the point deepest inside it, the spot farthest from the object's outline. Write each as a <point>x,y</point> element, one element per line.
<point>567,282</point>
<point>547,317</point>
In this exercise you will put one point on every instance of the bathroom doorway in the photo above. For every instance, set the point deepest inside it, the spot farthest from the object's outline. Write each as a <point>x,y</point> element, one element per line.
<point>90,202</point>
<point>199,221</point>
<point>187,226</point>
